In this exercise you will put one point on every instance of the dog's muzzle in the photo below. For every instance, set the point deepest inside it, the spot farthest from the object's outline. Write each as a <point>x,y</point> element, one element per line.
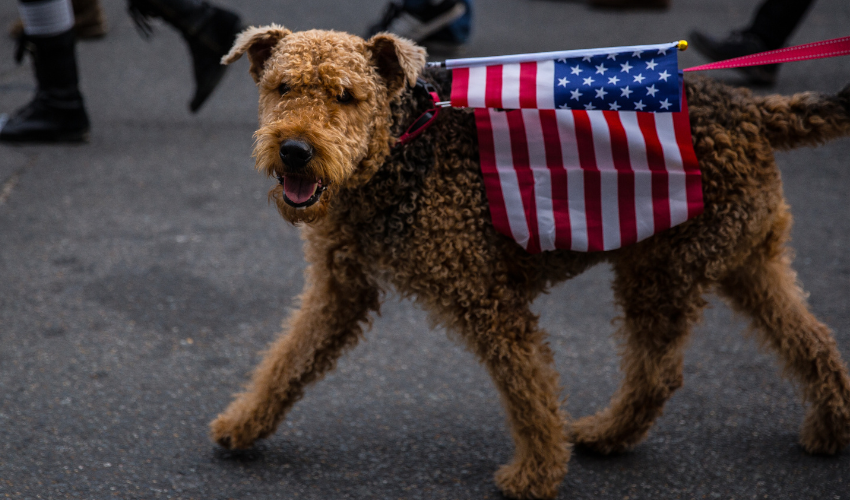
<point>300,190</point>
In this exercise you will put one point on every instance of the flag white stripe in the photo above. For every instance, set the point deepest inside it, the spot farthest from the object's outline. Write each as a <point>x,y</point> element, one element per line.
<point>546,85</point>
<point>477,87</point>
<point>508,178</point>
<point>678,192</point>
<point>510,86</point>
<point>542,178</point>
<point>644,214</point>
<point>575,180</point>
<point>608,180</point>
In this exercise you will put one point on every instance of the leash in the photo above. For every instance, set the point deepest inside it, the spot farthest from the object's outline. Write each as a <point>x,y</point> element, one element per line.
<point>426,119</point>
<point>816,50</point>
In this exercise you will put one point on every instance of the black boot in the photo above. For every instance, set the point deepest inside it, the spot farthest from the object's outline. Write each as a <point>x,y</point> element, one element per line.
<point>57,113</point>
<point>209,31</point>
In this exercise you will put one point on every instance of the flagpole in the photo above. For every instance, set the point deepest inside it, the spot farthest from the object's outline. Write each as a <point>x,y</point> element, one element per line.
<point>682,45</point>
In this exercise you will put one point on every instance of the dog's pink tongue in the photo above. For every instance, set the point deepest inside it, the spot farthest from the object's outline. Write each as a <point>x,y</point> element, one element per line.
<point>298,189</point>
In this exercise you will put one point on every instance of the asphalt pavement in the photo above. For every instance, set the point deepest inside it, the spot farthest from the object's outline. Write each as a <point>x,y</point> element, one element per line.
<point>142,274</point>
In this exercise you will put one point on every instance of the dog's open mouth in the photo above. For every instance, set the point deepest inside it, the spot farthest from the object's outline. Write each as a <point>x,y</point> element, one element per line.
<point>301,192</point>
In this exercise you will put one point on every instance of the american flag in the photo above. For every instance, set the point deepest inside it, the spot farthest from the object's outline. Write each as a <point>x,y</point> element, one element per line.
<point>591,165</point>
<point>636,78</point>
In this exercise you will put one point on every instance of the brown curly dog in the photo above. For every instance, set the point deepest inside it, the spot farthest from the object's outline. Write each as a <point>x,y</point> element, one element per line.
<point>416,218</point>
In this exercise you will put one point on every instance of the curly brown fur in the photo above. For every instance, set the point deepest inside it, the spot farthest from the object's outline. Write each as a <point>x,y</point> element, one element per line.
<point>416,218</point>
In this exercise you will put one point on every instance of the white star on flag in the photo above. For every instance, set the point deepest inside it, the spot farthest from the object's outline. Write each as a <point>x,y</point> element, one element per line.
<point>612,56</point>
<point>586,58</point>
<point>662,52</point>
<point>575,69</point>
<point>651,64</point>
<point>664,75</point>
<point>589,107</point>
<point>588,80</point>
<point>601,69</point>
<point>640,105</point>
<point>625,92</point>
<point>640,78</point>
<point>665,104</point>
<point>613,106</point>
<point>575,94</point>
<point>637,53</point>
<point>562,82</point>
<point>651,90</point>
<point>600,93</point>
<point>613,80</point>
<point>626,67</point>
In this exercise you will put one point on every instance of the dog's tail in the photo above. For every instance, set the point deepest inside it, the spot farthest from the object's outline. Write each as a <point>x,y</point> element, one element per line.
<point>805,119</point>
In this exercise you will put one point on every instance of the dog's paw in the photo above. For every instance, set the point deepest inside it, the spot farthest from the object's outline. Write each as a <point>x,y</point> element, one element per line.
<point>822,435</point>
<point>231,433</point>
<point>596,434</point>
<point>526,480</point>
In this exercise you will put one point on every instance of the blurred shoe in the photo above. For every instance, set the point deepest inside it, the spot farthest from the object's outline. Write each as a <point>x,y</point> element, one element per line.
<point>209,31</point>
<point>420,26</point>
<point>630,4</point>
<point>89,21</point>
<point>737,44</point>
<point>57,113</point>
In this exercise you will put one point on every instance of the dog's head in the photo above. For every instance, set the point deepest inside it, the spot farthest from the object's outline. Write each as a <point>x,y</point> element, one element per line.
<point>324,109</point>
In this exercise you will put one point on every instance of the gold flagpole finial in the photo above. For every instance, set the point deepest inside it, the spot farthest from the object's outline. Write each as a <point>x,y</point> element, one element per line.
<point>683,45</point>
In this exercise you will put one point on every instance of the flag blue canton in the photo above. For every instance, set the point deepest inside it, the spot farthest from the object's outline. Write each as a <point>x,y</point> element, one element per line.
<point>640,80</point>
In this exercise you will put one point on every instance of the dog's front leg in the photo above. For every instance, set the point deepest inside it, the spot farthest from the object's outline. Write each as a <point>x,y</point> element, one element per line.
<point>505,336</point>
<point>338,296</point>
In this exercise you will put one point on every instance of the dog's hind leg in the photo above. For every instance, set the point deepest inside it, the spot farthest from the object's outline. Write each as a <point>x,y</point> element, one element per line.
<point>766,289</point>
<point>504,335</point>
<point>660,307</point>
<point>338,298</point>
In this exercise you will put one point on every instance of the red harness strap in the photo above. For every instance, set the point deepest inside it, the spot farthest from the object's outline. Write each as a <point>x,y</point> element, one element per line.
<point>425,120</point>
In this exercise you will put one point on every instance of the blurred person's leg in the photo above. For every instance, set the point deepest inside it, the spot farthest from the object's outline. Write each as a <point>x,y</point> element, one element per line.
<point>428,21</point>
<point>770,29</point>
<point>57,112</point>
<point>89,20</point>
<point>208,30</point>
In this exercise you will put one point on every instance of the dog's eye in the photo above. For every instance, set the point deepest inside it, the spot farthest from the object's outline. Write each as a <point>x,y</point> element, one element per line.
<point>345,97</point>
<point>283,88</point>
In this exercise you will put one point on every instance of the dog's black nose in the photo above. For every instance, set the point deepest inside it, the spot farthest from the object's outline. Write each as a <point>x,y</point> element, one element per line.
<point>295,154</point>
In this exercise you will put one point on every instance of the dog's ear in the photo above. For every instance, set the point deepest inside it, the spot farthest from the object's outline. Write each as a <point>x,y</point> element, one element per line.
<point>397,59</point>
<point>258,42</point>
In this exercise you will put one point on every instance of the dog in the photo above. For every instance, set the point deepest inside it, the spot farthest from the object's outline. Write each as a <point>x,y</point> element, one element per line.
<point>416,218</point>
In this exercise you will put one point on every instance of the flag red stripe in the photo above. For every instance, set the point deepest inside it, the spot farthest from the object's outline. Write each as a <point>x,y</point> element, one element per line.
<point>625,178</point>
<point>693,176</point>
<point>460,87</point>
<point>592,181</point>
<point>525,178</point>
<point>493,90</point>
<point>528,85</point>
<point>558,174</point>
<point>492,184</point>
<point>655,160</point>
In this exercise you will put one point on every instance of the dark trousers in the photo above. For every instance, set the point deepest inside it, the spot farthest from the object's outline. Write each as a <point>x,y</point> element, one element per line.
<point>776,20</point>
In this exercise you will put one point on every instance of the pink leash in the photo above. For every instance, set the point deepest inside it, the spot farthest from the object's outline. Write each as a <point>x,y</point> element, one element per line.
<point>817,50</point>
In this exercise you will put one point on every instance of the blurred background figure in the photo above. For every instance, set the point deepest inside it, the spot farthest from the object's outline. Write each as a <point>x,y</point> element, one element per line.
<point>89,21</point>
<point>57,112</point>
<point>772,26</point>
<point>442,25</point>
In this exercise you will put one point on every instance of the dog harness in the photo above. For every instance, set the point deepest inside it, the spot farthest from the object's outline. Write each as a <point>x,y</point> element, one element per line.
<point>426,119</point>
